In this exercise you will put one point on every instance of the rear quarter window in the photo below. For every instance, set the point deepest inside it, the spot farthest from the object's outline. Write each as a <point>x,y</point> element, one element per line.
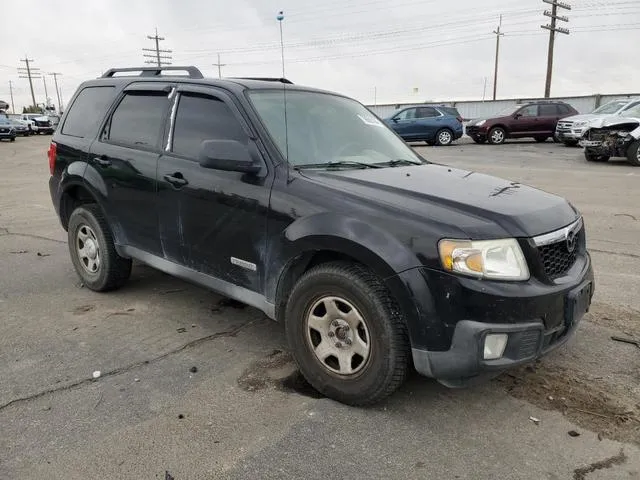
<point>87,110</point>
<point>450,111</point>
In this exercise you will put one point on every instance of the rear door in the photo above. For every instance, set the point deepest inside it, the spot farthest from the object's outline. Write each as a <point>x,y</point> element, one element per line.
<point>549,116</point>
<point>126,156</point>
<point>526,122</point>
<point>428,122</point>
<point>211,221</point>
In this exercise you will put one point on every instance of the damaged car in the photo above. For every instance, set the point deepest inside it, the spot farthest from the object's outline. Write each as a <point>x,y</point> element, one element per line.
<point>614,137</point>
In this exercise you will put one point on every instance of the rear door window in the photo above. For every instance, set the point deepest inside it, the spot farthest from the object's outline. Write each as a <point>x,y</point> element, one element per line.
<point>138,121</point>
<point>87,111</point>
<point>200,118</point>
<point>548,110</point>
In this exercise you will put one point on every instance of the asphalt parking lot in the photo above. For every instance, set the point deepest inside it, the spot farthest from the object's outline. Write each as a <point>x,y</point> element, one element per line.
<point>242,412</point>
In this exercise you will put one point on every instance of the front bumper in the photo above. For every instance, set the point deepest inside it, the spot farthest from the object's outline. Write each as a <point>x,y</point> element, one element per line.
<point>574,135</point>
<point>535,322</point>
<point>476,132</point>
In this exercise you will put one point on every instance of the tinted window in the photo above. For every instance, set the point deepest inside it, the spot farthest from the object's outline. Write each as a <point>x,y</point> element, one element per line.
<point>426,112</point>
<point>202,118</point>
<point>138,119</point>
<point>450,111</point>
<point>630,106</point>
<point>548,110</point>
<point>87,111</point>
<point>529,111</point>
<point>563,109</point>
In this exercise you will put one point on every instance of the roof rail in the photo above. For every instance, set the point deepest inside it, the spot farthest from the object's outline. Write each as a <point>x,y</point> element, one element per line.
<point>192,72</point>
<point>265,79</point>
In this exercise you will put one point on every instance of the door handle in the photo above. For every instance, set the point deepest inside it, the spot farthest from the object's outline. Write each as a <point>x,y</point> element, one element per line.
<point>177,180</point>
<point>103,161</point>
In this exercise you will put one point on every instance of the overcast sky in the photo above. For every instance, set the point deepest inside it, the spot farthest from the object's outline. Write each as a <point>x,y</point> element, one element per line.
<point>356,47</point>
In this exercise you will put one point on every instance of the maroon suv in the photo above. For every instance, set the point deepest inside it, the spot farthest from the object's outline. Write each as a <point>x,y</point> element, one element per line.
<point>535,119</point>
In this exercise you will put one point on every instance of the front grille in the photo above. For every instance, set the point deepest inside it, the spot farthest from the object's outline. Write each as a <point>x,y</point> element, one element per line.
<point>557,259</point>
<point>43,124</point>
<point>528,344</point>
<point>564,126</point>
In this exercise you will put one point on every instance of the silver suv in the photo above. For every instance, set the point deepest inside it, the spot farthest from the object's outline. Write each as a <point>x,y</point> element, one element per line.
<point>571,129</point>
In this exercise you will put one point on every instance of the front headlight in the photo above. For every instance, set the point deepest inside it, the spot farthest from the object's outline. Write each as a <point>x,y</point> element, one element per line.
<point>480,123</point>
<point>580,124</point>
<point>490,259</point>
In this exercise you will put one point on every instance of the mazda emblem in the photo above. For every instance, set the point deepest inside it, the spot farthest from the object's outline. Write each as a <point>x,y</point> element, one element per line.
<point>571,242</point>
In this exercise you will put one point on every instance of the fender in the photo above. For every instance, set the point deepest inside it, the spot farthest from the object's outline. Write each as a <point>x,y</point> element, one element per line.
<point>371,246</point>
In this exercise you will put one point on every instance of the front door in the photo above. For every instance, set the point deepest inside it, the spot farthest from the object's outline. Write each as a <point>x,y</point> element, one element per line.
<point>211,221</point>
<point>403,123</point>
<point>526,122</point>
<point>126,156</point>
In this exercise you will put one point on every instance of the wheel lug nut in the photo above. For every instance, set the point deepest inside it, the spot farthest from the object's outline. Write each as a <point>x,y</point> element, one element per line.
<point>347,341</point>
<point>338,344</point>
<point>335,323</point>
<point>331,334</point>
<point>346,328</point>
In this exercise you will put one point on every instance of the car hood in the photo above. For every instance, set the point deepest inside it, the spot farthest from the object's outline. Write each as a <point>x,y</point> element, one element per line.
<point>480,205</point>
<point>491,120</point>
<point>612,121</point>
<point>585,117</point>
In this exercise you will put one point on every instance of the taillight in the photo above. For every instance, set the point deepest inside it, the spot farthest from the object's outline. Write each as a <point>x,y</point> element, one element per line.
<point>52,156</point>
<point>460,119</point>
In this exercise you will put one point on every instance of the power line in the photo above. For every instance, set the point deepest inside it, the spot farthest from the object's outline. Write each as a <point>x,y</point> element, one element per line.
<point>498,34</point>
<point>30,73</point>
<point>553,14</point>
<point>159,59</point>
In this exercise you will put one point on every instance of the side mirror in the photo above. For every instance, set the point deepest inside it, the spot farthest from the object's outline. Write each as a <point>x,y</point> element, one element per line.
<point>394,119</point>
<point>517,115</point>
<point>227,155</point>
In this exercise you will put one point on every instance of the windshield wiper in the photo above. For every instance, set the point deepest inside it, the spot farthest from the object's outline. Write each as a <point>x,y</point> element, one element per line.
<point>399,162</point>
<point>342,163</point>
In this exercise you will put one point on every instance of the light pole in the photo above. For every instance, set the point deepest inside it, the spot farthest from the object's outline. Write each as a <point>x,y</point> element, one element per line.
<point>280,18</point>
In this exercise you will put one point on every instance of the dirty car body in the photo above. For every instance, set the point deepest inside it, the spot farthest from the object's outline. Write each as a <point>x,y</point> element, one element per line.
<point>614,137</point>
<point>476,274</point>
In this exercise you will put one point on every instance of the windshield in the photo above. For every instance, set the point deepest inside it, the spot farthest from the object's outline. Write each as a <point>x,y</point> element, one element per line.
<point>505,112</point>
<point>611,107</point>
<point>324,128</point>
<point>632,112</point>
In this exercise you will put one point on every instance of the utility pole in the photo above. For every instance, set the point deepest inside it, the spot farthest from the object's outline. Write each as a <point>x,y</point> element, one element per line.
<point>484,89</point>
<point>498,34</point>
<point>158,59</point>
<point>219,65</point>
<point>46,93</point>
<point>30,73</point>
<point>13,108</point>
<point>55,80</point>
<point>552,36</point>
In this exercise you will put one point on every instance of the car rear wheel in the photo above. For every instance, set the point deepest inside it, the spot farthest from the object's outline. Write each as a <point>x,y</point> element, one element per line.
<point>497,136</point>
<point>93,252</point>
<point>13,139</point>
<point>540,139</point>
<point>595,157</point>
<point>444,137</point>
<point>346,333</point>
<point>633,153</point>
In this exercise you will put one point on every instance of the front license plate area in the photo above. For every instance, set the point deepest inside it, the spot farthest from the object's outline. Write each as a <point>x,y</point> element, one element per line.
<point>577,304</point>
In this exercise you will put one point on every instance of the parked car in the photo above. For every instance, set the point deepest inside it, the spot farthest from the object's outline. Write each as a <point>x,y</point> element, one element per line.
<point>372,257</point>
<point>21,127</point>
<point>7,130</point>
<point>571,129</point>
<point>614,136</point>
<point>435,125</point>
<point>23,119</point>
<point>534,119</point>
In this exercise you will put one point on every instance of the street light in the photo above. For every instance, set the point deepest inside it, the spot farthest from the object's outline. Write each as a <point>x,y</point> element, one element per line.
<point>280,18</point>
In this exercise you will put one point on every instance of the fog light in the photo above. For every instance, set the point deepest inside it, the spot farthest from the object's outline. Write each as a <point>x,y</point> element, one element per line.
<point>494,345</point>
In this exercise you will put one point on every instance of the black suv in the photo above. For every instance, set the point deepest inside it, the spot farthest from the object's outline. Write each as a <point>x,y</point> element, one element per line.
<point>303,204</point>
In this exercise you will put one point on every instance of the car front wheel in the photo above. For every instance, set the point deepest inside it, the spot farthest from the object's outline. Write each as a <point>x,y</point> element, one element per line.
<point>93,252</point>
<point>633,153</point>
<point>346,333</point>
<point>497,136</point>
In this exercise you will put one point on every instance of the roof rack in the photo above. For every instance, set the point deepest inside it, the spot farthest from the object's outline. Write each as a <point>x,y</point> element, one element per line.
<point>192,72</point>
<point>265,79</point>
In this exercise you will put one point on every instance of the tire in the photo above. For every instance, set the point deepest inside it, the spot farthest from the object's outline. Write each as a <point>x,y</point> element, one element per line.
<point>570,143</point>
<point>377,329</point>
<point>540,139</point>
<point>497,136</point>
<point>444,137</point>
<point>633,153</point>
<point>87,223</point>
<point>594,157</point>
<point>479,140</point>
<point>13,139</point>
<point>429,142</point>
